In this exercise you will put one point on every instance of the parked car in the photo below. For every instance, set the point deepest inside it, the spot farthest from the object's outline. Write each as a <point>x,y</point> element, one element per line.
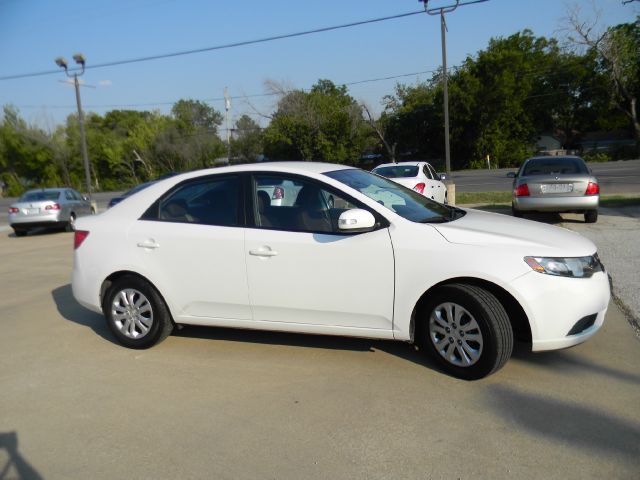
<point>207,248</point>
<point>48,207</point>
<point>420,176</point>
<point>555,184</point>
<point>137,188</point>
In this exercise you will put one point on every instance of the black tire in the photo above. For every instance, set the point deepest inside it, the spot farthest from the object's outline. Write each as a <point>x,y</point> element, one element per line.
<point>446,198</point>
<point>93,211</point>
<point>71,224</point>
<point>158,319</point>
<point>492,328</point>
<point>515,212</point>
<point>591,216</point>
<point>19,233</point>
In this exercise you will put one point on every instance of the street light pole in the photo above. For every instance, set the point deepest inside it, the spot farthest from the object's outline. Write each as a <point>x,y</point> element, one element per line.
<point>451,188</point>
<point>62,63</point>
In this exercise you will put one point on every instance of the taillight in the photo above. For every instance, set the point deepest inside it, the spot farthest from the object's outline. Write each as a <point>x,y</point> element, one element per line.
<point>278,193</point>
<point>419,188</point>
<point>79,237</point>
<point>522,190</point>
<point>55,206</point>
<point>13,210</point>
<point>592,189</point>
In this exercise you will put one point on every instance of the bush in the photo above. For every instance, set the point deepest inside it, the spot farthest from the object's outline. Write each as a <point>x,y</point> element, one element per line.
<point>597,157</point>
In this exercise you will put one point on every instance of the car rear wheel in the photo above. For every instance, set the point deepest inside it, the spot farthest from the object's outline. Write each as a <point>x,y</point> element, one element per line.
<point>136,313</point>
<point>466,330</point>
<point>71,224</point>
<point>515,212</point>
<point>591,216</point>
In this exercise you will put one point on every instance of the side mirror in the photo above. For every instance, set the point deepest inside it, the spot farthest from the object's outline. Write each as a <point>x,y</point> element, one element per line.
<point>85,198</point>
<point>356,220</point>
<point>511,174</point>
<point>443,176</point>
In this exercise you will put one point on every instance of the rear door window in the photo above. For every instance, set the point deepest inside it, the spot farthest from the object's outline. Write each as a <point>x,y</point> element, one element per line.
<point>208,201</point>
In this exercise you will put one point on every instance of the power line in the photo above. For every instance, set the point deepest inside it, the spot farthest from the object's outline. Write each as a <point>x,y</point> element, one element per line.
<point>220,47</point>
<point>235,97</point>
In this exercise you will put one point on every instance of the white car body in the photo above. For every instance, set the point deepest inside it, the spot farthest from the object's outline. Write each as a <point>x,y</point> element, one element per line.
<point>364,285</point>
<point>425,181</point>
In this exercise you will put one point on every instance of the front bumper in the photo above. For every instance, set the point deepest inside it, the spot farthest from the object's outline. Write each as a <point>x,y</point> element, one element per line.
<point>563,312</point>
<point>556,204</point>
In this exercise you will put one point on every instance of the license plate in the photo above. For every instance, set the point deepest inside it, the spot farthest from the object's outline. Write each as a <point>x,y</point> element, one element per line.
<point>557,188</point>
<point>33,211</point>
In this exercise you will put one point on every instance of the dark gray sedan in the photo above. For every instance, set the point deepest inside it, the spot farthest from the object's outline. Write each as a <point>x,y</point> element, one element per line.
<point>555,184</point>
<point>48,207</point>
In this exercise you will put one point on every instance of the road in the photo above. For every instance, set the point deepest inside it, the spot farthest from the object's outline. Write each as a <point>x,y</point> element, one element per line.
<point>225,404</point>
<point>621,177</point>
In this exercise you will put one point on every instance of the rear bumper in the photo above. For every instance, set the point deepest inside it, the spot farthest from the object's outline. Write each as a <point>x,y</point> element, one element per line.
<point>21,220</point>
<point>556,204</point>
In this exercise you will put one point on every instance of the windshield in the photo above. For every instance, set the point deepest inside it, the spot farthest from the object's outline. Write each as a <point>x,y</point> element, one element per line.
<point>39,196</point>
<point>401,200</point>
<point>554,165</point>
<point>397,171</point>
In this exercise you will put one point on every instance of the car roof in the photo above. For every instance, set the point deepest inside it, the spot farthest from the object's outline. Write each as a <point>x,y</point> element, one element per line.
<point>56,189</point>
<point>288,167</point>
<point>400,164</point>
<point>555,157</point>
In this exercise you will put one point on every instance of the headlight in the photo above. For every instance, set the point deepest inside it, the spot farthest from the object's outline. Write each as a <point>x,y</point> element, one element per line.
<point>580,267</point>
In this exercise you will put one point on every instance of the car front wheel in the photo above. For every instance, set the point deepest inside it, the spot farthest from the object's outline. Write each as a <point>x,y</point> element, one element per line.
<point>136,313</point>
<point>466,330</point>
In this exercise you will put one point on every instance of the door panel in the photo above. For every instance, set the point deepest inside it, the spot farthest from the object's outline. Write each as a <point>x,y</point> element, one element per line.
<point>321,279</point>
<point>200,266</point>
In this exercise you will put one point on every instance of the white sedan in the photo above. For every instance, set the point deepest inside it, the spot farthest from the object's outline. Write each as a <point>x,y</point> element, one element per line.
<point>420,176</point>
<point>354,254</point>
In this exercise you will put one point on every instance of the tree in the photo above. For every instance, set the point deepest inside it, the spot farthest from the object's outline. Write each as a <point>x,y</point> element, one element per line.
<point>325,124</point>
<point>194,115</point>
<point>247,144</point>
<point>617,51</point>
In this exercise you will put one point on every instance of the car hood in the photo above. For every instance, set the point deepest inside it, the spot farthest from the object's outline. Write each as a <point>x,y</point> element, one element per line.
<point>484,229</point>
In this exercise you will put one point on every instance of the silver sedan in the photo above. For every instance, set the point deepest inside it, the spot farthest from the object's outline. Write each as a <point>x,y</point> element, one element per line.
<point>48,207</point>
<point>555,184</point>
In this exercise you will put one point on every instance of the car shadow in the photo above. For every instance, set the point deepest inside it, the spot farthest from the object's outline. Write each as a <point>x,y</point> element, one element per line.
<point>567,362</point>
<point>565,422</point>
<point>403,350</point>
<point>71,310</point>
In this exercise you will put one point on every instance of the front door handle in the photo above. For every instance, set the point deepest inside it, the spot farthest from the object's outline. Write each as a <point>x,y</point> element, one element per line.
<point>149,244</point>
<point>263,252</point>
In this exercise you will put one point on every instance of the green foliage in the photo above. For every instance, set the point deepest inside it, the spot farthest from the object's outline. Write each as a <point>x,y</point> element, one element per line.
<point>597,157</point>
<point>246,146</point>
<point>325,124</point>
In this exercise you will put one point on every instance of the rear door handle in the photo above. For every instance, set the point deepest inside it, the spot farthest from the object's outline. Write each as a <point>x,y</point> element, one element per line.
<point>149,244</point>
<point>263,252</point>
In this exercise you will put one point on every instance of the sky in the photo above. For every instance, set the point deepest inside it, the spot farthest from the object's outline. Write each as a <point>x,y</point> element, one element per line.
<point>35,32</point>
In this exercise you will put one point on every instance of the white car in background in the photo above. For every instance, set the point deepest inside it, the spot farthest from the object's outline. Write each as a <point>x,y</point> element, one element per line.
<point>419,176</point>
<point>354,254</point>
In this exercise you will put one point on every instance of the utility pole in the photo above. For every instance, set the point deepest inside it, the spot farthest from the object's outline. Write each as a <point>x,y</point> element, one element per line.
<point>227,107</point>
<point>451,188</point>
<point>62,63</point>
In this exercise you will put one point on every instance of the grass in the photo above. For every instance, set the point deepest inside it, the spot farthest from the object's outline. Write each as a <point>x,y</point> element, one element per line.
<point>501,199</point>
